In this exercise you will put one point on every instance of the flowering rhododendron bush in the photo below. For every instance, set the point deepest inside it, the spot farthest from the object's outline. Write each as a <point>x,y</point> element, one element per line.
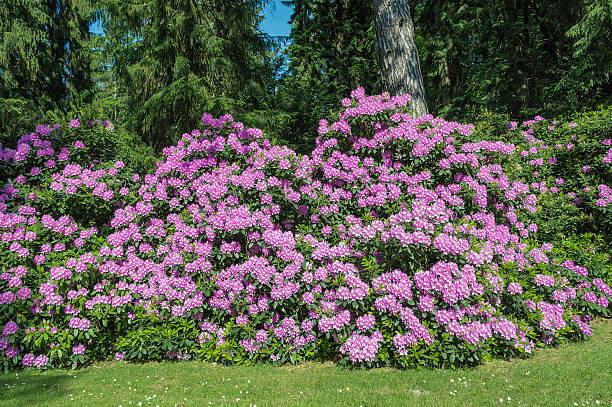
<point>399,241</point>
<point>569,166</point>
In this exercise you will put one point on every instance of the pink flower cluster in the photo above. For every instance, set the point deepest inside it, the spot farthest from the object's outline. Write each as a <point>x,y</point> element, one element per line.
<point>82,324</point>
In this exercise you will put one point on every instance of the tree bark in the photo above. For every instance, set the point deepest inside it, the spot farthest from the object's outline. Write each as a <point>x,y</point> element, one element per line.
<point>445,82</point>
<point>520,99</point>
<point>397,54</point>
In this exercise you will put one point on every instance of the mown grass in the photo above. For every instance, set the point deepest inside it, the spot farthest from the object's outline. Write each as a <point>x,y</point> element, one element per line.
<point>577,374</point>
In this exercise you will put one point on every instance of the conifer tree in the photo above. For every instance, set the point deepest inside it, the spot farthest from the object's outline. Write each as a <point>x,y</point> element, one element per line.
<point>175,60</point>
<point>331,53</point>
<point>45,59</point>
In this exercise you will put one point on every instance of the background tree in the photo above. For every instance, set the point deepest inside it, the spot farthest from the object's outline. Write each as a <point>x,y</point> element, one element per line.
<point>172,61</point>
<point>331,53</point>
<point>156,66</point>
<point>590,75</point>
<point>45,60</point>
<point>397,54</point>
<point>513,56</point>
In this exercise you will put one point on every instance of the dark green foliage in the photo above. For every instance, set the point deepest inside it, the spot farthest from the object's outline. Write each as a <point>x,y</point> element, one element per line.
<point>157,66</point>
<point>45,59</point>
<point>148,337</point>
<point>173,61</point>
<point>590,75</point>
<point>331,53</point>
<point>19,116</point>
<point>520,57</point>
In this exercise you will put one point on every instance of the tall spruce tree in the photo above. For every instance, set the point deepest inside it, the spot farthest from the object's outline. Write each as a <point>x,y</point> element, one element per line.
<point>519,57</point>
<point>590,74</point>
<point>331,53</point>
<point>45,59</point>
<point>513,56</point>
<point>172,61</point>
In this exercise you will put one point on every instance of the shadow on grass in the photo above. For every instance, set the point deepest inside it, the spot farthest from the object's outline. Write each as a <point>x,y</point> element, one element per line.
<point>32,389</point>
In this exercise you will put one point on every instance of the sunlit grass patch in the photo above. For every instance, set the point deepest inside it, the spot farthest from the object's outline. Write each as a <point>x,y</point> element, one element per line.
<point>576,374</point>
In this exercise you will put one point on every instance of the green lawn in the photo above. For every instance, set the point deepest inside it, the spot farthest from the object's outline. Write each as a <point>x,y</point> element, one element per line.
<point>578,374</point>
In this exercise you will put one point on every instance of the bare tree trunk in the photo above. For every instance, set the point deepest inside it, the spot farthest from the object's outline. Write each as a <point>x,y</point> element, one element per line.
<point>520,99</point>
<point>445,82</point>
<point>397,54</point>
